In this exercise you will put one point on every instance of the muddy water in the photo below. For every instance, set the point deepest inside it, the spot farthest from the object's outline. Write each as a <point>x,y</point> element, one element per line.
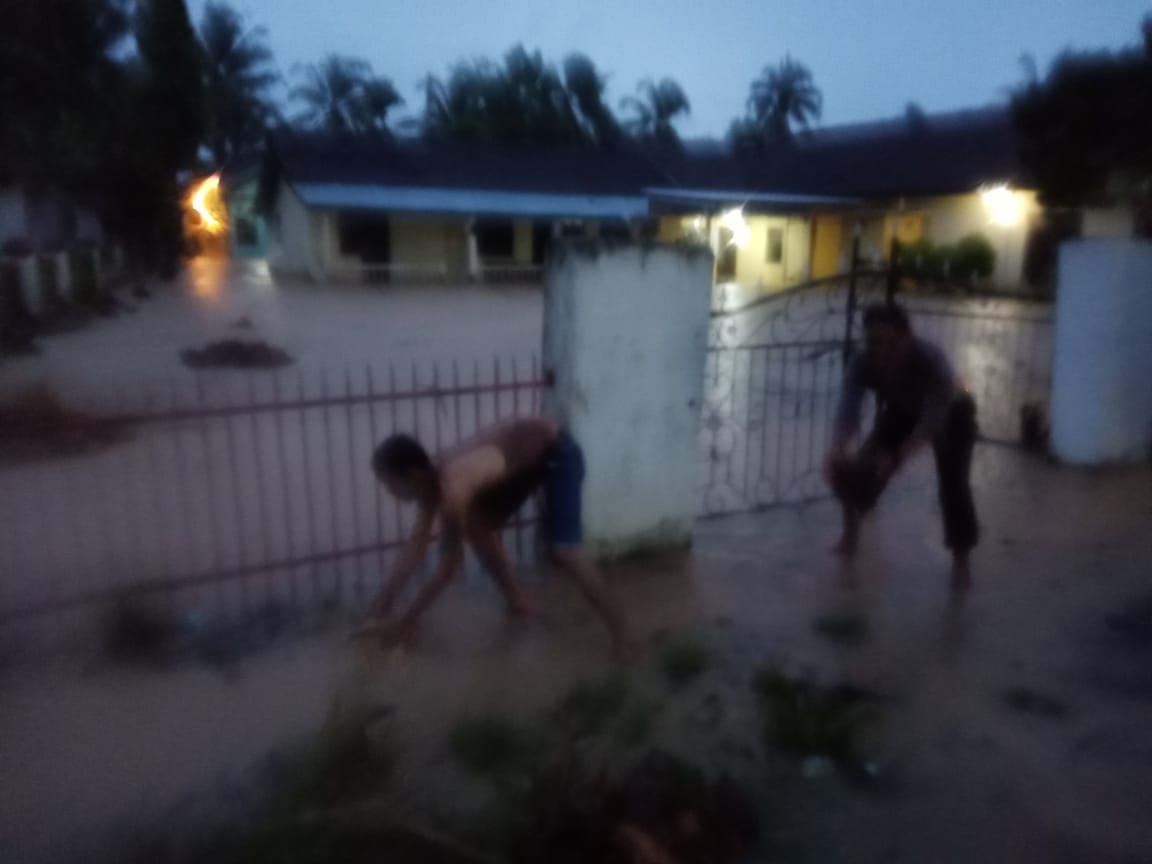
<point>1018,720</point>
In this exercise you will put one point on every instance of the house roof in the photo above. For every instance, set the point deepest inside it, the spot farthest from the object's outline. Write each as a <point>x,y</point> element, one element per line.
<point>913,156</point>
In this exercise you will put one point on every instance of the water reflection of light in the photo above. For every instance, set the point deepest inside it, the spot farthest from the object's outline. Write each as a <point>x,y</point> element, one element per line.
<point>208,273</point>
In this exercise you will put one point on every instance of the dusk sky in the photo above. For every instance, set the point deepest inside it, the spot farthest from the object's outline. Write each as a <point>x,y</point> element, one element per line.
<point>870,57</point>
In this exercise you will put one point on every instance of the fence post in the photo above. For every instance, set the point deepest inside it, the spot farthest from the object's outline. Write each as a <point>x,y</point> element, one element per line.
<point>850,310</point>
<point>626,337</point>
<point>893,272</point>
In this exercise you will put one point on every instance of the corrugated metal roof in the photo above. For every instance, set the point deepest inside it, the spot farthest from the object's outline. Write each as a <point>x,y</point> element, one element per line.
<point>401,199</point>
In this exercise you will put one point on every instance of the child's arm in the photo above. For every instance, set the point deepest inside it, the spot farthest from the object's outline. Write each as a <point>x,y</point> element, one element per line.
<point>406,563</point>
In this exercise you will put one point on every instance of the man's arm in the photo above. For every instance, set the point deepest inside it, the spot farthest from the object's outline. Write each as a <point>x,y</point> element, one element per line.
<point>406,563</point>
<point>451,556</point>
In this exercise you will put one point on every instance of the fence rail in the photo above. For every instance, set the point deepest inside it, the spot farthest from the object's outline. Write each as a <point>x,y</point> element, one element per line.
<point>768,409</point>
<point>239,491</point>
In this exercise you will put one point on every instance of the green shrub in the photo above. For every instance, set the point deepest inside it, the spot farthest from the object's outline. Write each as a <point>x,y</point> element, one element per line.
<point>683,660</point>
<point>973,259</point>
<point>489,743</point>
<point>811,720</point>
<point>923,260</point>
<point>590,705</point>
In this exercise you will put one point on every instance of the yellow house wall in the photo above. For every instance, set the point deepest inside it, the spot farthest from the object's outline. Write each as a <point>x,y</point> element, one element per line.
<point>752,266</point>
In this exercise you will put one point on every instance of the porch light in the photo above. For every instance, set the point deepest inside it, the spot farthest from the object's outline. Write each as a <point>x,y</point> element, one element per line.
<point>1002,205</point>
<point>733,220</point>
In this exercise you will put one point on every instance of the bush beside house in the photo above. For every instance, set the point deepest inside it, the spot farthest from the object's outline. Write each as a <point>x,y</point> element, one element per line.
<point>971,260</point>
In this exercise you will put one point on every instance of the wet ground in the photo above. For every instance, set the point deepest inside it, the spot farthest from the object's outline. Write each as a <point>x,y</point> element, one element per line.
<point>323,327</point>
<point>1017,720</point>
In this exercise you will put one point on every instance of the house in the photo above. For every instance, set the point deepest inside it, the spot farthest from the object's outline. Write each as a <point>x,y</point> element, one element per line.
<point>356,209</point>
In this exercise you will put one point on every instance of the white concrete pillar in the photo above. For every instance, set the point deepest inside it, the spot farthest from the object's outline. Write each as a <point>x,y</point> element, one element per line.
<point>625,338</point>
<point>1102,373</point>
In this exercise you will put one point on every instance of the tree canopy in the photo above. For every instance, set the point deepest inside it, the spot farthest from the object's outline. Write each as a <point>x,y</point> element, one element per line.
<point>654,110</point>
<point>239,74</point>
<point>342,94</point>
<point>1085,130</point>
<point>783,97</point>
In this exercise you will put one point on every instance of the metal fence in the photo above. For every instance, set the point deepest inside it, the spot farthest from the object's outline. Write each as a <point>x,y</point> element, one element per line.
<point>238,492</point>
<point>775,367</point>
<point>767,413</point>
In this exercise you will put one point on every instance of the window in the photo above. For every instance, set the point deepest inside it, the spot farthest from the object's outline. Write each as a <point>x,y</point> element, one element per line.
<point>775,246</point>
<point>726,257</point>
<point>495,238</point>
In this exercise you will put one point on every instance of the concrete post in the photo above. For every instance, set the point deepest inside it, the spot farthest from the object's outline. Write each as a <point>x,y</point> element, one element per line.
<point>63,275</point>
<point>1101,388</point>
<point>30,285</point>
<point>625,339</point>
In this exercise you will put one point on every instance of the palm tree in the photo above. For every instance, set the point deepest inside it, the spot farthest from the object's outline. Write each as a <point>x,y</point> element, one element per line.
<point>523,102</point>
<point>585,86</point>
<point>340,94</point>
<point>238,74</point>
<point>783,96</point>
<point>654,110</point>
<point>370,109</point>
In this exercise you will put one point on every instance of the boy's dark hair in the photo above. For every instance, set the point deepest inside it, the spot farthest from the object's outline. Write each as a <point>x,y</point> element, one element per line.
<point>399,455</point>
<point>891,314</point>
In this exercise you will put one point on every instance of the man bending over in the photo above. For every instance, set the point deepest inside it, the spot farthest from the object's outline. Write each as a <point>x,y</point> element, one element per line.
<point>474,489</point>
<point>918,403</point>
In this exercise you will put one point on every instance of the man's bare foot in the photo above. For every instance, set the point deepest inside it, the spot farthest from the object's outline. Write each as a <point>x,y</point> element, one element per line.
<point>961,573</point>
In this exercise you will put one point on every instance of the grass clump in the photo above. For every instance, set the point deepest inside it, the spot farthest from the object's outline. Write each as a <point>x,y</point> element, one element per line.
<point>808,719</point>
<point>843,628</point>
<point>683,660</point>
<point>489,743</point>
<point>589,706</point>
<point>140,630</point>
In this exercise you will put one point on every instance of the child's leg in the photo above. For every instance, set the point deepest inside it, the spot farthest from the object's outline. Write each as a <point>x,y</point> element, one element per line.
<point>579,567</point>
<point>489,547</point>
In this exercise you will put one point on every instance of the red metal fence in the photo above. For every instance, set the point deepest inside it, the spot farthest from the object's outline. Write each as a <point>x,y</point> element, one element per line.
<point>236,492</point>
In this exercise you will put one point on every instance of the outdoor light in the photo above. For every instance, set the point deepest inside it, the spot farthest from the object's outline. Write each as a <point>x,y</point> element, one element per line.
<point>1002,204</point>
<point>733,220</point>
<point>205,199</point>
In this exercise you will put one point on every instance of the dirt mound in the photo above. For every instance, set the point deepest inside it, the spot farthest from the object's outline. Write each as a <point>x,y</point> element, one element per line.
<point>236,354</point>
<point>35,424</point>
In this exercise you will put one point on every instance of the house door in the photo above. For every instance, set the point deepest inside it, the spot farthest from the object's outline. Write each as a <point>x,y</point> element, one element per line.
<point>828,236</point>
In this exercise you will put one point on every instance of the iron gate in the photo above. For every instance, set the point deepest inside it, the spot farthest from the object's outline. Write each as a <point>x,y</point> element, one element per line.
<point>774,369</point>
